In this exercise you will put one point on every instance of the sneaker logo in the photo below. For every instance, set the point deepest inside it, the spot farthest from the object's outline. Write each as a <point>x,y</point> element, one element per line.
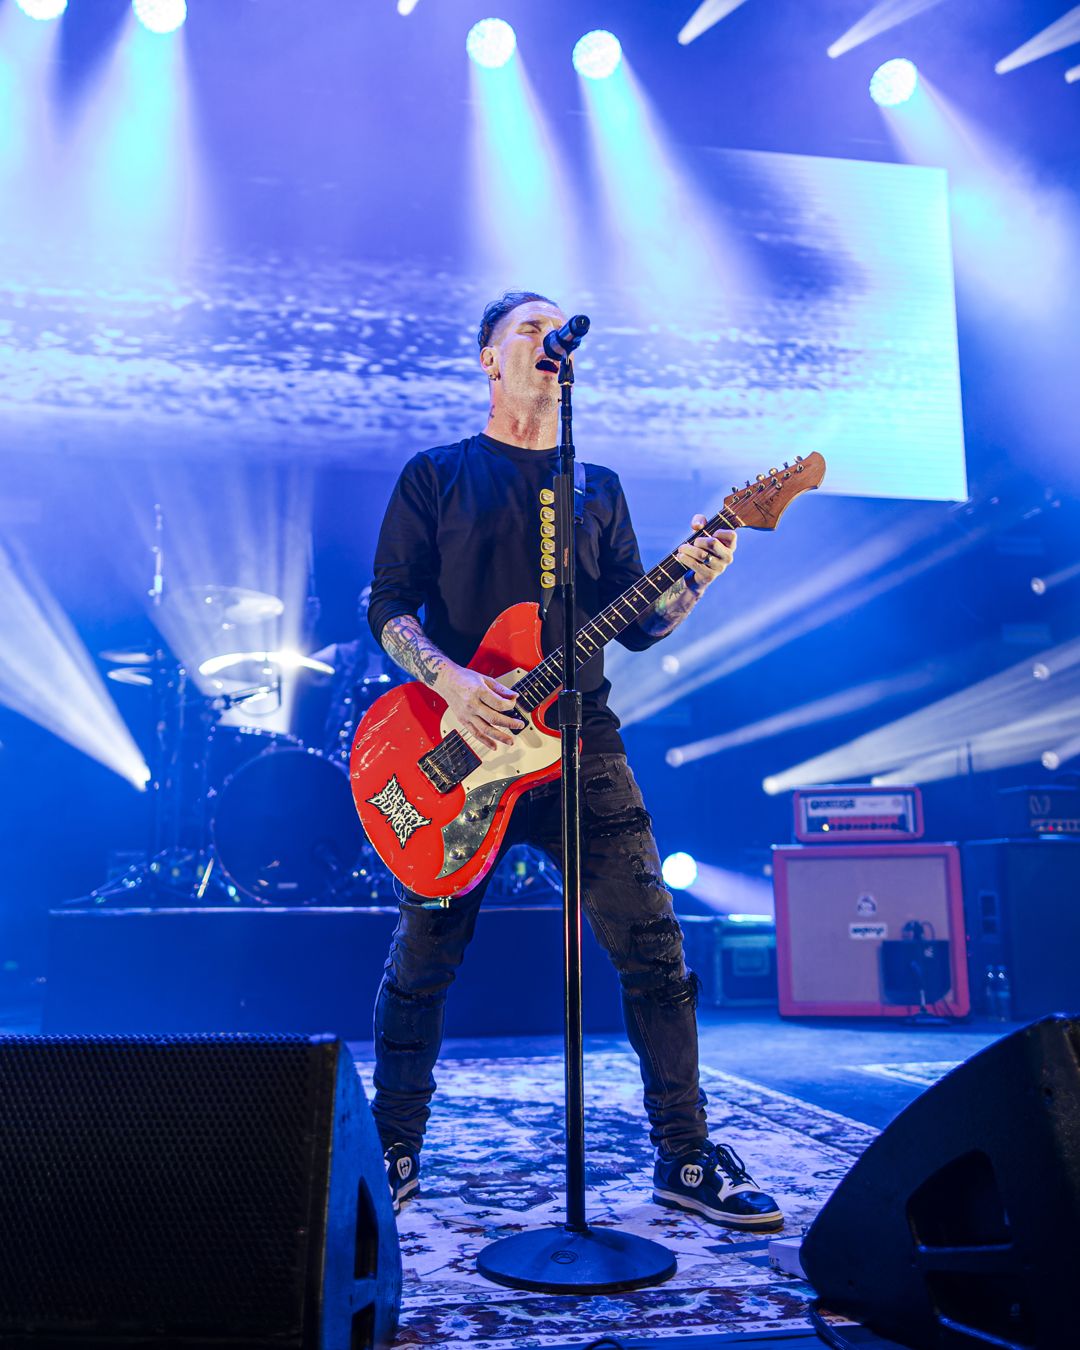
<point>692,1175</point>
<point>404,1167</point>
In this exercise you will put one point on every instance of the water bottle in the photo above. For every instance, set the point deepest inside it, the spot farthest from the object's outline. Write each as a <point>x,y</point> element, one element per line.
<point>1004,994</point>
<point>991,991</point>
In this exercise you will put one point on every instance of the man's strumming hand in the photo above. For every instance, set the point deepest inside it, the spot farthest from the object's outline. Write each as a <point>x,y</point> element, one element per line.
<point>480,703</point>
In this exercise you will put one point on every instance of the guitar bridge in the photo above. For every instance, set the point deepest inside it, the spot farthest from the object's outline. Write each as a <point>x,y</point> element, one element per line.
<point>449,763</point>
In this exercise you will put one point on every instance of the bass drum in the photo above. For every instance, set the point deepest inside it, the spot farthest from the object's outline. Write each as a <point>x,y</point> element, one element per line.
<point>286,832</point>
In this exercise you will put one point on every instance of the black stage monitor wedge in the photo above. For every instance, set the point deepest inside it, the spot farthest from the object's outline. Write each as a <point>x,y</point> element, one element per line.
<point>223,1191</point>
<point>959,1227</point>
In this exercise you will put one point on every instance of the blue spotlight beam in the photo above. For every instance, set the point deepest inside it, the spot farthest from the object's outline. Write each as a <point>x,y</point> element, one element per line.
<point>671,243</point>
<point>48,676</point>
<point>800,610</point>
<point>888,14</point>
<point>1005,719</point>
<point>706,16</point>
<point>870,695</point>
<point>517,183</point>
<point>1065,32</point>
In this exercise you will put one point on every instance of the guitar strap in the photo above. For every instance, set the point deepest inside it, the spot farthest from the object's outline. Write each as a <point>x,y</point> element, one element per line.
<point>547,576</point>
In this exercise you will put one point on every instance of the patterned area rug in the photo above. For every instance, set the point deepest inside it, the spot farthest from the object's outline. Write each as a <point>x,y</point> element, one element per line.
<point>921,1073</point>
<point>493,1165</point>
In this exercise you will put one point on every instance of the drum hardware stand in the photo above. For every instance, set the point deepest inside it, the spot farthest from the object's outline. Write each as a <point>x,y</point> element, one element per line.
<point>572,1258</point>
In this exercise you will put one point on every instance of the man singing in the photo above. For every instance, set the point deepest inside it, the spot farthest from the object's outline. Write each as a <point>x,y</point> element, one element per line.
<point>464,537</point>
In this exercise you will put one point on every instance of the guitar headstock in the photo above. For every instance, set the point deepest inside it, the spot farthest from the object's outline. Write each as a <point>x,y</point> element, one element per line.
<point>760,504</point>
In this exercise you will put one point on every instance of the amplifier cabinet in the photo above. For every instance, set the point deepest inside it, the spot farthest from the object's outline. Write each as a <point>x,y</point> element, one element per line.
<point>836,906</point>
<point>733,958</point>
<point>1022,902</point>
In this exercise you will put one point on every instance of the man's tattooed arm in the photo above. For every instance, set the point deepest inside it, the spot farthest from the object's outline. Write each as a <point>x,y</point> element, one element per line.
<point>670,609</point>
<point>406,642</point>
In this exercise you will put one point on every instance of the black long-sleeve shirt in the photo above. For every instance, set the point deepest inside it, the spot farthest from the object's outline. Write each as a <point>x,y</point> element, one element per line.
<point>463,538</point>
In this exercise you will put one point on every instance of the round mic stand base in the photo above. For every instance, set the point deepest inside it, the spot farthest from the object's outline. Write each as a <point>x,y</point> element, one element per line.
<point>560,1261</point>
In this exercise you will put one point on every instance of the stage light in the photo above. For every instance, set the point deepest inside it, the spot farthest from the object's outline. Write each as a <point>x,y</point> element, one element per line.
<point>1040,670</point>
<point>160,16</point>
<point>491,43</point>
<point>708,13</point>
<point>597,54</point>
<point>1061,754</point>
<point>679,871</point>
<point>894,82</point>
<point>42,9</point>
<point>1040,585</point>
<point>406,7</point>
<point>1072,75</point>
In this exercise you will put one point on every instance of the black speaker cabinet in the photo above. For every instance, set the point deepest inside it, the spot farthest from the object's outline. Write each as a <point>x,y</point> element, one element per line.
<point>958,1227</point>
<point>1022,912</point>
<point>192,1190</point>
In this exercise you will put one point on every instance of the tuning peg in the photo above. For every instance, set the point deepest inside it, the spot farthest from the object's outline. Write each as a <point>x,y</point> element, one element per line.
<point>798,459</point>
<point>734,488</point>
<point>786,464</point>
<point>747,483</point>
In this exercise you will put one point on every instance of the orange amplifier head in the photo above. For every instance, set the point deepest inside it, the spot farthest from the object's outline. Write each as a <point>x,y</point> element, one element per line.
<point>844,813</point>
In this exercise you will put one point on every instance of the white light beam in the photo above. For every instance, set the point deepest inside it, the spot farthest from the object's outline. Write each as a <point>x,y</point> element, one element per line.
<point>705,16</point>
<point>885,15</point>
<point>1063,33</point>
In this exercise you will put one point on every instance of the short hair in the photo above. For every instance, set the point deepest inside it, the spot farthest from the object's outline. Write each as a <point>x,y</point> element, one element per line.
<point>497,310</point>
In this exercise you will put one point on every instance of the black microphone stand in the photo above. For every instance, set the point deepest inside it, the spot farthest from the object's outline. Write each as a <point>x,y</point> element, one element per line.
<point>573,1258</point>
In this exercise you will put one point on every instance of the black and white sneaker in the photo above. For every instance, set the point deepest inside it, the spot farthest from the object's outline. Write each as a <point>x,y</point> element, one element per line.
<point>712,1181</point>
<point>402,1173</point>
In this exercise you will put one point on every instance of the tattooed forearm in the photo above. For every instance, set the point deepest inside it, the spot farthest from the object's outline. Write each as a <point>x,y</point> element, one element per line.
<point>670,609</point>
<point>404,640</point>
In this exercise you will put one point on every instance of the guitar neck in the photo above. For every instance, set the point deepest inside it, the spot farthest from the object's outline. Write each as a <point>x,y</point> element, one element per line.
<point>546,678</point>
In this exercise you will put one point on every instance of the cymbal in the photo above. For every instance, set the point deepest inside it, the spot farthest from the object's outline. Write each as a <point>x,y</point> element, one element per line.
<point>227,604</point>
<point>129,675</point>
<point>233,662</point>
<point>127,658</point>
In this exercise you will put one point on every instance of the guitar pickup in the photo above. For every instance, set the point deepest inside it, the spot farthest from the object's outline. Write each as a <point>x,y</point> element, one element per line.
<point>449,763</point>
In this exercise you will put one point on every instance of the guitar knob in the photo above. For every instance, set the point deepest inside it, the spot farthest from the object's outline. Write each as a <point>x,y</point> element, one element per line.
<point>457,854</point>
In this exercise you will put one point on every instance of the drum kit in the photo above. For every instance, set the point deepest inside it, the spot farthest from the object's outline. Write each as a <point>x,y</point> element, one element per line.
<point>239,814</point>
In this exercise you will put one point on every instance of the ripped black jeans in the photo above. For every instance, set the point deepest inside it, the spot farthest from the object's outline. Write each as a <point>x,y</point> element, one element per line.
<point>631,914</point>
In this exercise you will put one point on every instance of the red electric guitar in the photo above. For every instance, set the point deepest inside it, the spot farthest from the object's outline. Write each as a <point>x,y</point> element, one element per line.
<point>434,801</point>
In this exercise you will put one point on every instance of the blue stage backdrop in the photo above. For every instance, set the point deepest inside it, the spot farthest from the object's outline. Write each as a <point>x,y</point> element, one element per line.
<point>808,304</point>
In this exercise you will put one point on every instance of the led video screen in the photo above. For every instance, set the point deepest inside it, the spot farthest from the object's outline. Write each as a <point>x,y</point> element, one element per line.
<point>807,305</point>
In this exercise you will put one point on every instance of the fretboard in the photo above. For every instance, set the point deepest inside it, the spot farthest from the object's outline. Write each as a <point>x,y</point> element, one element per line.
<point>546,678</point>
